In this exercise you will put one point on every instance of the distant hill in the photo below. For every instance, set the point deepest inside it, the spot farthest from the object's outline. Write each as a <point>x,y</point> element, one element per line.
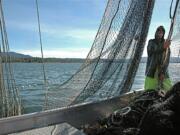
<point>16,55</point>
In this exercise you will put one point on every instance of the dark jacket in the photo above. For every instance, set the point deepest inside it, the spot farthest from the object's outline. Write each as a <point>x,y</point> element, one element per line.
<point>155,52</point>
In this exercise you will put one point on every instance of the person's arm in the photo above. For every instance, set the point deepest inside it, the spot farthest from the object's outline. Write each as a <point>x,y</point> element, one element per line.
<point>166,63</point>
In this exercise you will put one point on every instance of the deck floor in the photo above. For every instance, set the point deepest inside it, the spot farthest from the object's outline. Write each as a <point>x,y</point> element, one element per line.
<point>61,129</point>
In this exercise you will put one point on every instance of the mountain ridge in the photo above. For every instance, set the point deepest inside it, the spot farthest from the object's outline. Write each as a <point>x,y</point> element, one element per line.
<point>16,55</point>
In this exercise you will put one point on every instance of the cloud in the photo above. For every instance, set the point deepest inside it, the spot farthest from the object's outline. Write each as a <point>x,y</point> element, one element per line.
<point>55,31</point>
<point>25,26</point>
<point>77,33</point>
<point>60,53</point>
<point>82,34</point>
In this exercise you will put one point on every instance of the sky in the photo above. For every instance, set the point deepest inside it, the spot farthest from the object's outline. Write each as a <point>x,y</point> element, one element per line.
<point>68,26</point>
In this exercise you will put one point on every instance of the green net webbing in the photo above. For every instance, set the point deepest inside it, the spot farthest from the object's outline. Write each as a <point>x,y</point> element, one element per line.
<point>112,62</point>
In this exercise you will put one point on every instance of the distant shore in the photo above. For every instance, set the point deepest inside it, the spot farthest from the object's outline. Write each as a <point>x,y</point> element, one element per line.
<point>46,60</point>
<point>70,60</point>
<point>18,57</point>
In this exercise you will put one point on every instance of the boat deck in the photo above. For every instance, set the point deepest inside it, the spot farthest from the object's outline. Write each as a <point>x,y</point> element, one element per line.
<point>60,129</point>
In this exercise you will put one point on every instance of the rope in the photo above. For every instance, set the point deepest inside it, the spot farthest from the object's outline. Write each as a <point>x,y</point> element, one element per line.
<point>170,15</point>
<point>42,55</point>
<point>13,83</point>
<point>165,55</point>
<point>9,91</point>
<point>171,26</point>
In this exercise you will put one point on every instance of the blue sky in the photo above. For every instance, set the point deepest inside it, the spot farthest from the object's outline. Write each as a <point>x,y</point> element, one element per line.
<point>68,26</point>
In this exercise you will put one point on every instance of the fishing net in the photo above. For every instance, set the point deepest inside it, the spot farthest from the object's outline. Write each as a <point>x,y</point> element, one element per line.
<point>175,48</point>
<point>148,113</point>
<point>9,96</point>
<point>112,62</point>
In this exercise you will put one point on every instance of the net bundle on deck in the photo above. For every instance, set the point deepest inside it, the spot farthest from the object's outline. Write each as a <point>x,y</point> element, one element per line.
<point>112,62</point>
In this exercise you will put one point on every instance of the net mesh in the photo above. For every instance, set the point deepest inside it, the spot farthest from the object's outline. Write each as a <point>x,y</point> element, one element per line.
<point>175,48</point>
<point>112,62</point>
<point>9,96</point>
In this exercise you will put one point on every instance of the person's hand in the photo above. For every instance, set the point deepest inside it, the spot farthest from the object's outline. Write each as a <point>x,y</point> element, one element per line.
<point>161,77</point>
<point>167,43</point>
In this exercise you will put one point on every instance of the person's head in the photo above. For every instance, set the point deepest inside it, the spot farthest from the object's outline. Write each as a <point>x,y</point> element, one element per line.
<point>160,32</point>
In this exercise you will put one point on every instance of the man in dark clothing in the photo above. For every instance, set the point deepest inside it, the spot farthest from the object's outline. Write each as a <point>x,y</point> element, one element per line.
<point>157,76</point>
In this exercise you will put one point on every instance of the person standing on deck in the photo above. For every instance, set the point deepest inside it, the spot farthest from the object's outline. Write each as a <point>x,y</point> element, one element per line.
<point>157,76</point>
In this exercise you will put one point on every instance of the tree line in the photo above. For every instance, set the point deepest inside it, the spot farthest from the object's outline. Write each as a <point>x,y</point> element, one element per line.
<point>40,60</point>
